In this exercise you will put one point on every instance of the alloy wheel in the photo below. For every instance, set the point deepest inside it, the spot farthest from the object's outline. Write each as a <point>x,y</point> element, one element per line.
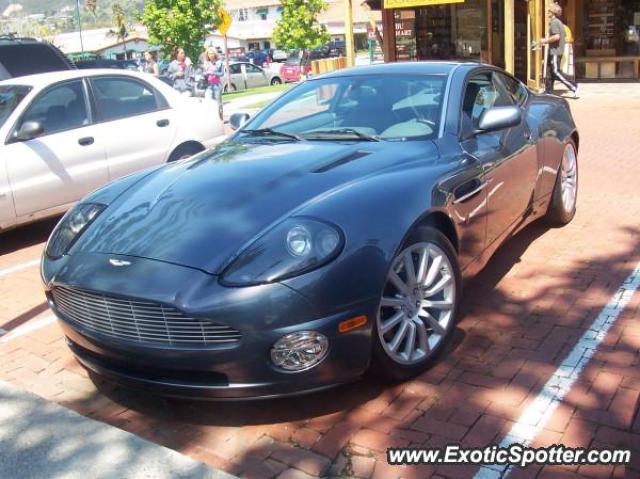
<point>569,178</point>
<point>417,305</point>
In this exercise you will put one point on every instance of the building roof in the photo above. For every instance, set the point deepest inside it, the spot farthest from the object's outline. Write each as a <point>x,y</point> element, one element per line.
<point>95,40</point>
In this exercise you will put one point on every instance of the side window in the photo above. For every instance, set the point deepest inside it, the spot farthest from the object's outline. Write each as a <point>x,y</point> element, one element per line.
<point>481,94</point>
<point>59,108</point>
<point>122,97</point>
<point>252,68</point>
<point>235,68</point>
<point>515,89</point>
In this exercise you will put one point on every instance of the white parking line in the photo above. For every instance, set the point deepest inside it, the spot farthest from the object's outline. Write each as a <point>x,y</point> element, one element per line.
<point>534,418</point>
<point>28,328</point>
<point>21,266</point>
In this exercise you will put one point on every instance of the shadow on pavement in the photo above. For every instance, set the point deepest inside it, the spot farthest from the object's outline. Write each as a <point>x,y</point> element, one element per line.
<point>27,235</point>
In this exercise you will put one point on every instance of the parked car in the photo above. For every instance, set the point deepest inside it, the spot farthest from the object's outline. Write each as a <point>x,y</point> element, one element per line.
<point>328,236</point>
<point>279,56</point>
<point>336,48</point>
<point>67,133</point>
<point>131,65</point>
<point>26,56</point>
<point>295,67</point>
<point>247,75</point>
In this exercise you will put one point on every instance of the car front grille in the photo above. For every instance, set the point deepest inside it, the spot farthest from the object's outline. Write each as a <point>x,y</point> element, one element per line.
<point>138,321</point>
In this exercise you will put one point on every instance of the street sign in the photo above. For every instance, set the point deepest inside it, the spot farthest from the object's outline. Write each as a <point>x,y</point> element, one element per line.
<point>226,21</point>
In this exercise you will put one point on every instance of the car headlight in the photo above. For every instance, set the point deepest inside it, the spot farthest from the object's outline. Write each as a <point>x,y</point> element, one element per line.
<point>71,227</point>
<point>299,351</point>
<point>295,246</point>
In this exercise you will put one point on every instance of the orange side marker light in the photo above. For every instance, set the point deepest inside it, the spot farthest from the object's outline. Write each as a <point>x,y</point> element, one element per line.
<point>352,323</point>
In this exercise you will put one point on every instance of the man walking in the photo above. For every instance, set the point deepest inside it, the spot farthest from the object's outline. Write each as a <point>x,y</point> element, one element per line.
<point>556,42</point>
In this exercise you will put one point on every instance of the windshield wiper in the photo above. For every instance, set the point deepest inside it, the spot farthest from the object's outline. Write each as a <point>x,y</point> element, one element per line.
<point>271,132</point>
<point>351,132</point>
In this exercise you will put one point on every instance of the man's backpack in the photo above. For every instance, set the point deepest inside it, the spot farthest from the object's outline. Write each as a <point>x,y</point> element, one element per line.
<point>568,36</point>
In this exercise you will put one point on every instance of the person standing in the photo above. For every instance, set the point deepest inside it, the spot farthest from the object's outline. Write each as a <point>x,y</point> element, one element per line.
<point>150,64</point>
<point>179,71</point>
<point>213,71</point>
<point>556,42</point>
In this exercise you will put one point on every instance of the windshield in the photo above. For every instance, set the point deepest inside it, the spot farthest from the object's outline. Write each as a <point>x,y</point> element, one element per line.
<point>10,98</point>
<point>384,107</point>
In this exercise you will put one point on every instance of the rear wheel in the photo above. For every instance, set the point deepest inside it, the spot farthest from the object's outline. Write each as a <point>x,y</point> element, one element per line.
<point>185,151</point>
<point>275,81</point>
<point>562,207</point>
<point>418,307</point>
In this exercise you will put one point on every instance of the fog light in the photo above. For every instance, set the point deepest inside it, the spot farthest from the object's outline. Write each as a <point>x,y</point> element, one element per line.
<point>299,351</point>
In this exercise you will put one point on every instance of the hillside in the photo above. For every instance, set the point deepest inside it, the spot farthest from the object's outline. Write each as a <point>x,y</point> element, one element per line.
<point>51,7</point>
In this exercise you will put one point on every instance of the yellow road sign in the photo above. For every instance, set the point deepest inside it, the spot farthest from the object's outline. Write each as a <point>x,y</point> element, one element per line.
<point>226,21</point>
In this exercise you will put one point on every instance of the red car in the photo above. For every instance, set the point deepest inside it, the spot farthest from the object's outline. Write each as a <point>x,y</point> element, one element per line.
<point>293,68</point>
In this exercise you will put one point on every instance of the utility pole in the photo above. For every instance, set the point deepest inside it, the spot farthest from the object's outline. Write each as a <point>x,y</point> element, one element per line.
<point>348,32</point>
<point>79,25</point>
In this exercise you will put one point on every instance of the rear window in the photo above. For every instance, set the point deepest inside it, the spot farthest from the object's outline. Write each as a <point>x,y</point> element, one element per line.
<point>27,59</point>
<point>10,98</point>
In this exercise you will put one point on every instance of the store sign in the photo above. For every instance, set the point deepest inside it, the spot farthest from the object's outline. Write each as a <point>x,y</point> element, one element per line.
<point>416,3</point>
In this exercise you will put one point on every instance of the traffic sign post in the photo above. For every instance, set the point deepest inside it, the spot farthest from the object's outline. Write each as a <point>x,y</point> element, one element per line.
<point>224,28</point>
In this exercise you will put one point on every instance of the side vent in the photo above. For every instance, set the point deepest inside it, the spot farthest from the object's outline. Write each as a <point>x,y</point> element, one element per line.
<point>341,161</point>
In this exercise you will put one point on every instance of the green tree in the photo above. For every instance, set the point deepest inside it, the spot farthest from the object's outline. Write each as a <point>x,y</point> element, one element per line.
<point>180,23</point>
<point>298,27</point>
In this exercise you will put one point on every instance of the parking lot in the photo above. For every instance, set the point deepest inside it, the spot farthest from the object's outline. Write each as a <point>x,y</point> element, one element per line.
<point>521,317</point>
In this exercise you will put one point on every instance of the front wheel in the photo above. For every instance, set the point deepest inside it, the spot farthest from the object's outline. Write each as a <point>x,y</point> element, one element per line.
<point>562,207</point>
<point>418,308</point>
<point>275,81</point>
<point>185,151</point>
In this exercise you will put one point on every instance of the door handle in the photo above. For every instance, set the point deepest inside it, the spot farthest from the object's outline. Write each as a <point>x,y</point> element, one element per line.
<point>481,185</point>
<point>86,141</point>
<point>162,123</point>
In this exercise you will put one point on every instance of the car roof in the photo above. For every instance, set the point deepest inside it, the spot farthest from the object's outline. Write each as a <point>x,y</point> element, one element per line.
<point>43,79</point>
<point>402,68</point>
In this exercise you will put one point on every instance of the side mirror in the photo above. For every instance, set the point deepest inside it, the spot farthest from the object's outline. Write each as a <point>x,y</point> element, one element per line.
<point>238,120</point>
<point>29,130</point>
<point>499,117</point>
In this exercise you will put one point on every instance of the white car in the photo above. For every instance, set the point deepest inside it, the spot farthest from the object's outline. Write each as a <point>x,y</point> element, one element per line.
<point>64,134</point>
<point>247,75</point>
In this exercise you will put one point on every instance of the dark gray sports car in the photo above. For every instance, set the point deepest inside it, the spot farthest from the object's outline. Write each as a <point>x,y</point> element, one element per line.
<point>327,236</point>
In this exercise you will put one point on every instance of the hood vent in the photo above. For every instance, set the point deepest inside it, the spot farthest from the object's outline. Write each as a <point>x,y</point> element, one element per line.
<point>341,161</point>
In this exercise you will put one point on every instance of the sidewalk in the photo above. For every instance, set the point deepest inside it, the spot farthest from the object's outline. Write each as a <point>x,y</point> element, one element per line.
<point>39,439</point>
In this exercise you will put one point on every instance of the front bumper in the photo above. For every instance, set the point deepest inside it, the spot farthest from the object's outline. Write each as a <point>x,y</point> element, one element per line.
<point>262,314</point>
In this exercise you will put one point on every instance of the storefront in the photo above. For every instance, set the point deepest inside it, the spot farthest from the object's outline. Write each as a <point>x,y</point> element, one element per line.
<point>607,37</point>
<point>503,32</point>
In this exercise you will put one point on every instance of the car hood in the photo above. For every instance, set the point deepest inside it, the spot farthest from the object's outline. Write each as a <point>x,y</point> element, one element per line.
<point>202,212</point>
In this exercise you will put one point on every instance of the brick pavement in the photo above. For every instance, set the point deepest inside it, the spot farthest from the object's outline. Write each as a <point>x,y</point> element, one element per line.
<point>520,317</point>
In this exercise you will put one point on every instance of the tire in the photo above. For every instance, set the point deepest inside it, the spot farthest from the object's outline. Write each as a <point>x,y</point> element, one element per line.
<point>562,206</point>
<point>275,81</point>
<point>227,90</point>
<point>420,331</point>
<point>185,151</point>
